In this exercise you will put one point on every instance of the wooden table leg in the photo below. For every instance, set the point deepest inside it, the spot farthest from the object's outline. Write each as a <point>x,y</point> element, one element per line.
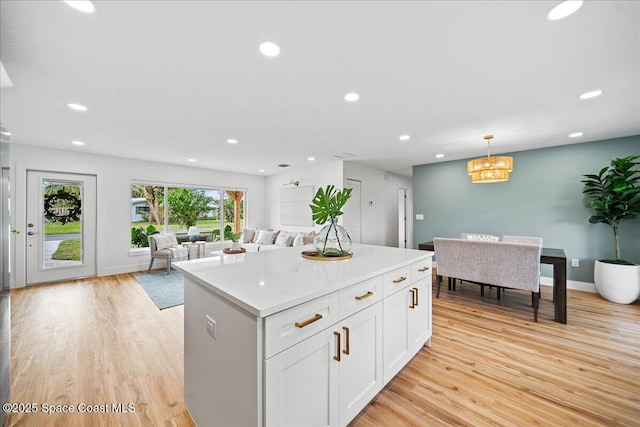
<point>560,291</point>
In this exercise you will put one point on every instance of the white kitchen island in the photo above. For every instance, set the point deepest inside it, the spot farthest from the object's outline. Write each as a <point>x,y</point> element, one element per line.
<point>272,339</point>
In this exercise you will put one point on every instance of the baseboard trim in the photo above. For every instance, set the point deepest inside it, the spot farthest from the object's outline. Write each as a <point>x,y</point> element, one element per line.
<point>571,284</point>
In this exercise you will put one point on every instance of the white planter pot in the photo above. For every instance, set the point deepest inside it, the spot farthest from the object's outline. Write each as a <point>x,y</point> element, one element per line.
<point>235,246</point>
<point>617,283</point>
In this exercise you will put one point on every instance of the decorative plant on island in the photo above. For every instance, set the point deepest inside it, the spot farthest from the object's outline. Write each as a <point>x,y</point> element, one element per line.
<point>332,240</point>
<point>615,197</point>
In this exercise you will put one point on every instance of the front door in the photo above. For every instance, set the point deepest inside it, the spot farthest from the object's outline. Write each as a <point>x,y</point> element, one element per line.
<point>61,226</point>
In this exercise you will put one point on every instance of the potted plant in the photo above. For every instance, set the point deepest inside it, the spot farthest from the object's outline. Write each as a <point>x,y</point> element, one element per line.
<point>332,240</point>
<point>615,197</point>
<point>230,235</point>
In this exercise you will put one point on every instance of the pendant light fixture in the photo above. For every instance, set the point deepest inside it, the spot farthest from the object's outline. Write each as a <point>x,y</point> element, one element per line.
<point>487,170</point>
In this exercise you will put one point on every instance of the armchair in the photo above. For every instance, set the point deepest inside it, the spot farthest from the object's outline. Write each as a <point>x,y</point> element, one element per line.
<point>166,247</point>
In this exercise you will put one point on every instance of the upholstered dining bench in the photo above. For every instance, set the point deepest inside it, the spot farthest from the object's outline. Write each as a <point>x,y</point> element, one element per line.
<point>503,264</point>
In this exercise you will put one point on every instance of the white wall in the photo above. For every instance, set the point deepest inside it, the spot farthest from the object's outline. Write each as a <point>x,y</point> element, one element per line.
<point>114,177</point>
<point>316,176</point>
<point>379,225</point>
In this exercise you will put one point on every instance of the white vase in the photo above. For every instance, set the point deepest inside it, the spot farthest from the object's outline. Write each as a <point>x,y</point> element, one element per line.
<point>235,246</point>
<point>617,283</point>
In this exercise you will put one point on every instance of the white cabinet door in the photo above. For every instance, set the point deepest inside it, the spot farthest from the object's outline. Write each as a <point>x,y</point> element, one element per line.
<point>419,321</point>
<point>301,383</point>
<point>395,332</point>
<point>360,361</point>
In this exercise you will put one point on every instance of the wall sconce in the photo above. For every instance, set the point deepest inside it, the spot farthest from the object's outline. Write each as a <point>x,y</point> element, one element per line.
<point>292,182</point>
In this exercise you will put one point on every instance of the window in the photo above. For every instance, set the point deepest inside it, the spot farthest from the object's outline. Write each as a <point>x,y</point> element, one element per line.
<point>172,209</point>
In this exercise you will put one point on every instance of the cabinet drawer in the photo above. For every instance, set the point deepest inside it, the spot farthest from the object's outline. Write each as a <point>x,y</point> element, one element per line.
<point>359,296</point>
<point>284,329</point>
<point>395,280</point>
<point>421,269</point>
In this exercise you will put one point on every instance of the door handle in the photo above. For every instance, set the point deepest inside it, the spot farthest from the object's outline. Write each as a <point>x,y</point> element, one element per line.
<point>31,233</point>
<point>346,331</point>
<point>413,298</point>
<point>338,339</point>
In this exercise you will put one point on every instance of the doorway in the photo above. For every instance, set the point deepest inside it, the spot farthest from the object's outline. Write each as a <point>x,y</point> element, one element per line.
<point>61,226</point>
<point>402,217</point>
<point>5,234</point>
<point>352,210</point>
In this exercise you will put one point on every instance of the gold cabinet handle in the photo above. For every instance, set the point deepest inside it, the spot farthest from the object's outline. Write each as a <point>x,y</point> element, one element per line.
<point>337,356</point>
<point>423,269</point>
<point>401,279</point>
<point>365,296</point>
<point>413,298</point>
<point>416,294</point>
<point>346,336</point>
<point>308,321</point>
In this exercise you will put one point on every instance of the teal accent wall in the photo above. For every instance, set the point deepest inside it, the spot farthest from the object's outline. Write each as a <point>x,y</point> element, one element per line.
<point>543,197</point>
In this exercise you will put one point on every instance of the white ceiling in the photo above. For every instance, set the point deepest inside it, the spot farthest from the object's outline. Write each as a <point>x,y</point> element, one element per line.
<point>172,80</point>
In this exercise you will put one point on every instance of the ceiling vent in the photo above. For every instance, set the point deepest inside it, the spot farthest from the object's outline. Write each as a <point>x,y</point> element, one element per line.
<point>344,155</point>
<point>283,165</point>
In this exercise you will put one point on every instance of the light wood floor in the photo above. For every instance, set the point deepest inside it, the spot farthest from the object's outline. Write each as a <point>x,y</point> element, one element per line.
<point>102,341</point>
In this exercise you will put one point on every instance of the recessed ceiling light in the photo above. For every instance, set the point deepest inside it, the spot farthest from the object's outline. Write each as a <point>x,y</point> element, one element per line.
<point>192,160</point>
<point>311,158</point>
<point>591,94</point>
<point>352,97</point>
<point>80,143</point>
<point>564,9</point>
<point>232,141</point>
<point>81,5</point>
<point>260,170</point>
<point>439,156</point>
<point>269,49</point>
<point>575,134</point>
<point>77,107</point>
<point>404,137</point>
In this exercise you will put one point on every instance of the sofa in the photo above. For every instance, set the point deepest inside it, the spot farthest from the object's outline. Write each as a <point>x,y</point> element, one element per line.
<point>504,264</point>
<point>258,240</point>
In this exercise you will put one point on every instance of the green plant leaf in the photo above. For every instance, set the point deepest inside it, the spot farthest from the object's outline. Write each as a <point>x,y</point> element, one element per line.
<point>327,203</point>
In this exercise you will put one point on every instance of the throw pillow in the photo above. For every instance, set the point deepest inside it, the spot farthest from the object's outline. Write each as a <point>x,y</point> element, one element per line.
<point>297,241</point>
<point>283,240</point>
<point>248,234</point>
<point>304,239</point>
<point>255,236</point>
<point>264,237</point>
<point>308,238</point>
<point>164,242</point>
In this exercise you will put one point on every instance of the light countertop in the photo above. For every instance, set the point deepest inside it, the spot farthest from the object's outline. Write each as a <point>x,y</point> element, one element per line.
<point>264,283</point>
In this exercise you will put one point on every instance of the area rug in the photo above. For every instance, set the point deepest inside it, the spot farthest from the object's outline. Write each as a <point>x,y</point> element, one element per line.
<point>166,290</point>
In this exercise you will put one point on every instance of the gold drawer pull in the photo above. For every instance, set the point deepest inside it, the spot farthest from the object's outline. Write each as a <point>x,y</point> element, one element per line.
<point>346,348</point>
<point>365,296</point>
<point>308,321</point>
<point>423,269</point>
<point>337,356</point>
<point>413,298</point>
<point>401,279</point>
<point>416,303</point>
